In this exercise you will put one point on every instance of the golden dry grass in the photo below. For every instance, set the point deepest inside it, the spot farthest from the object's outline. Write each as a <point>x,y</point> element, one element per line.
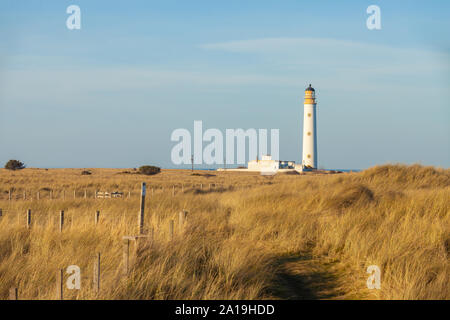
<point>251,237</point>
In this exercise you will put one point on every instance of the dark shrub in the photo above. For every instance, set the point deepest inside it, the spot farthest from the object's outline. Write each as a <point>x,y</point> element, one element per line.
<point>86,173</point>
<point>14,165</point>
<point>292,173</point>
<point>206,175</point>
<point>149,170</point>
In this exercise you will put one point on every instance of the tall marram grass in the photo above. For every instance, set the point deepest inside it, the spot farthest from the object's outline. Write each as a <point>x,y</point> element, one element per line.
<point>393,216</point>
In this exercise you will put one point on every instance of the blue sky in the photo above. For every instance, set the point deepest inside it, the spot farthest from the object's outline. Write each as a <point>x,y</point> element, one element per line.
<point>110,94</point>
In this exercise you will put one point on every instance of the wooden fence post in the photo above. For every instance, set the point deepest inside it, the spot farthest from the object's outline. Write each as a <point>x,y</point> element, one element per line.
<point>24,195</point>
<point>85,193</point>
<point>9,194</point>
<point>141,212</point>
<point>60,284</point>
<point>61,220</point>
<point>97,217</point>
<point>201,186</point>
<point>97,273</point>
<point>29,218</point>
<point>13,293</point>
<point>182,219</point>
<point>126,255</point>
<point>171,229</point>
<point>152,235</point>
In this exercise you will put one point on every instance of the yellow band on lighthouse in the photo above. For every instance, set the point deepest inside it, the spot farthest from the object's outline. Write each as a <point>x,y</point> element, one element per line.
<point>310,97</point>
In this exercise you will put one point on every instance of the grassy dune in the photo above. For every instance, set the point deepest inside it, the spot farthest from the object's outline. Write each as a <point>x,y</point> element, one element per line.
<point>250,237</point>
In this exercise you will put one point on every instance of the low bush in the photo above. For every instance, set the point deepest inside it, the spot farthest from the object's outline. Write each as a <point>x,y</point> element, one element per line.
<point>14,165</point>
<point>149,170</point>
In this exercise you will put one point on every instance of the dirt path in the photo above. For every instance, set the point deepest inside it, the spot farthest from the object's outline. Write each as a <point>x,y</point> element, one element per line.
<point>303,277</point>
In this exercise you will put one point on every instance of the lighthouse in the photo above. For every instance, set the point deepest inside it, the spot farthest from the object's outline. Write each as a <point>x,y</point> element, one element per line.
<point>309,158</point>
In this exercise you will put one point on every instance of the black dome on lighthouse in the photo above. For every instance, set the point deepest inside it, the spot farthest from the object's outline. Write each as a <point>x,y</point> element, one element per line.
<point>310,88</point>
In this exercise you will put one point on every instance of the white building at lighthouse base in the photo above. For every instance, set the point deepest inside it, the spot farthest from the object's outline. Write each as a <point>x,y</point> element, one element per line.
<point>267,165</point>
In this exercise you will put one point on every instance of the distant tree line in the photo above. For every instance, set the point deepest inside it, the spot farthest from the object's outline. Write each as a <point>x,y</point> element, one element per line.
<point>18,165</point>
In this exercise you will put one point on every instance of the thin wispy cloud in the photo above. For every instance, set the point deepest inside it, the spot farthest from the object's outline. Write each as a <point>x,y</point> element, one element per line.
<point>324,52</point>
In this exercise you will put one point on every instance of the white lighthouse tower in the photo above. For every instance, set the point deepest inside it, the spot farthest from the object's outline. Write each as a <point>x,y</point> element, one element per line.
<point>309,159</point>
